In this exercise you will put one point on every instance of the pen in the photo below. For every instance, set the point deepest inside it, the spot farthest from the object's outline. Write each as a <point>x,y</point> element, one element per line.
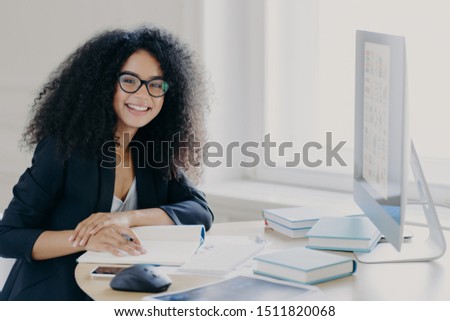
<point>127,237</point>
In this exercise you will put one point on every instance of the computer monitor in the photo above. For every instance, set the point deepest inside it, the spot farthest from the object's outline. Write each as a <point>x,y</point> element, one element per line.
<point>383,150</point>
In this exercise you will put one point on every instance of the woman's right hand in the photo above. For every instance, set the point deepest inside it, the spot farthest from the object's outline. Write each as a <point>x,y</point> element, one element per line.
<point>94,223</point>
<point>114,239</point>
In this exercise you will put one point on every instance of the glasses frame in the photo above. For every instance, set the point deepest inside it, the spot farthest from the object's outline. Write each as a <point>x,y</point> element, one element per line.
<point>143,82</point>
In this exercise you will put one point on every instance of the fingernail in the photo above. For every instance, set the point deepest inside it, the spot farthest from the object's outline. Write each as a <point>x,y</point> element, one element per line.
<point>136,252</point>
<point>75,244</point>
<point>143,251</point>
<point>71,238</point>
<point>81,243</point>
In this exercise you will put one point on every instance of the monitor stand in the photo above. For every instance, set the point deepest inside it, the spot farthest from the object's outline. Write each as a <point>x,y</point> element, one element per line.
<point>417,250</point>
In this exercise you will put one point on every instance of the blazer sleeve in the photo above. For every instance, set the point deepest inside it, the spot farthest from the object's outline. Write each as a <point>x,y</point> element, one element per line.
<point>187,205</point>
<point>34,196</point>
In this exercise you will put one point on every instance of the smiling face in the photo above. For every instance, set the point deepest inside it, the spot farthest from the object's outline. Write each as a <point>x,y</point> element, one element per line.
<point>137,109</point>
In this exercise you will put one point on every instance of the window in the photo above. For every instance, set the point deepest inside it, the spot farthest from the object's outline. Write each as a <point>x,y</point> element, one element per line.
<point>309,82</point>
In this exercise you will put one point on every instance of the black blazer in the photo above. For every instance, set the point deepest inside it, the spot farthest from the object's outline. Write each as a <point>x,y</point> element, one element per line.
<point>56,195</point>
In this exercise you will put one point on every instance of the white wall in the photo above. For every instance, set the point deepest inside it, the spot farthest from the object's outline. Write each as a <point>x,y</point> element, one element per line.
<point>233,38</point>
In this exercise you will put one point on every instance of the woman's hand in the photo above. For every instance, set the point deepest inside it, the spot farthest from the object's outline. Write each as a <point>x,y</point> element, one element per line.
<point>94,223</point>
<point>117,240</point>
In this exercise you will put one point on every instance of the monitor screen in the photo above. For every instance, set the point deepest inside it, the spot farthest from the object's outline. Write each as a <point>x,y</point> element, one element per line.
<point>381,136</point>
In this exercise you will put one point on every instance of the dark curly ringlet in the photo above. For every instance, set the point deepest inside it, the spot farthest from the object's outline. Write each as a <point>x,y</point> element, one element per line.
<point>76,105</point>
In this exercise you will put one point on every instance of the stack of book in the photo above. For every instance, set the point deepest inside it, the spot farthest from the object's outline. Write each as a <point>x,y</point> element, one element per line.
<point>304,265</point>
<point>351,233</point>
<point>295,222</point>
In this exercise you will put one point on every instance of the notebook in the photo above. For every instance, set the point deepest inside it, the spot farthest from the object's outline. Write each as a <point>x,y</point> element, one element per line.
<point>165,245</point>
<point>220,255</point>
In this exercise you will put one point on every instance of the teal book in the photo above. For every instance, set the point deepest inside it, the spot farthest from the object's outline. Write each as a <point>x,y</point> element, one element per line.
<point>356,234</point>
<point>304,265</point>
<point>293,217</point>
<point>291,232</point>
<point>300,217</point>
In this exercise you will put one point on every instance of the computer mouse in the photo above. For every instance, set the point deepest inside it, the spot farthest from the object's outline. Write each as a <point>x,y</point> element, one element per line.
<point>141,278</point>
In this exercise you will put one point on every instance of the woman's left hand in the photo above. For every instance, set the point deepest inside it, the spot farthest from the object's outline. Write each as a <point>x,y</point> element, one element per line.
<point>95,223</point>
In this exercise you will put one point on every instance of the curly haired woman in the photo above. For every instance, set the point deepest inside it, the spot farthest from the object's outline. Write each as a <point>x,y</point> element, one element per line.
<point>110,129</point>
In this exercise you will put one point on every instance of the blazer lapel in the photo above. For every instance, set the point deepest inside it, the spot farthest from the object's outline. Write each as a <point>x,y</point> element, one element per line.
<point>107,177</point>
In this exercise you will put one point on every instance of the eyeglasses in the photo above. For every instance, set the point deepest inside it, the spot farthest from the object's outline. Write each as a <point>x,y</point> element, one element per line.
<point>130,83</point>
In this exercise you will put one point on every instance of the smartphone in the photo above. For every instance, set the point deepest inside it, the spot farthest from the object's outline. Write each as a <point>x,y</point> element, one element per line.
<point>106,271</point>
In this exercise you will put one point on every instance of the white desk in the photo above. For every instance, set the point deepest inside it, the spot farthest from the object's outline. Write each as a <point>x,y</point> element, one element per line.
<point>392,281</point>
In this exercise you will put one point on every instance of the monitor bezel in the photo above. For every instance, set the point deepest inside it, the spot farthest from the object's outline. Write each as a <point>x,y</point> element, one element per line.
<point>367,198</point>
